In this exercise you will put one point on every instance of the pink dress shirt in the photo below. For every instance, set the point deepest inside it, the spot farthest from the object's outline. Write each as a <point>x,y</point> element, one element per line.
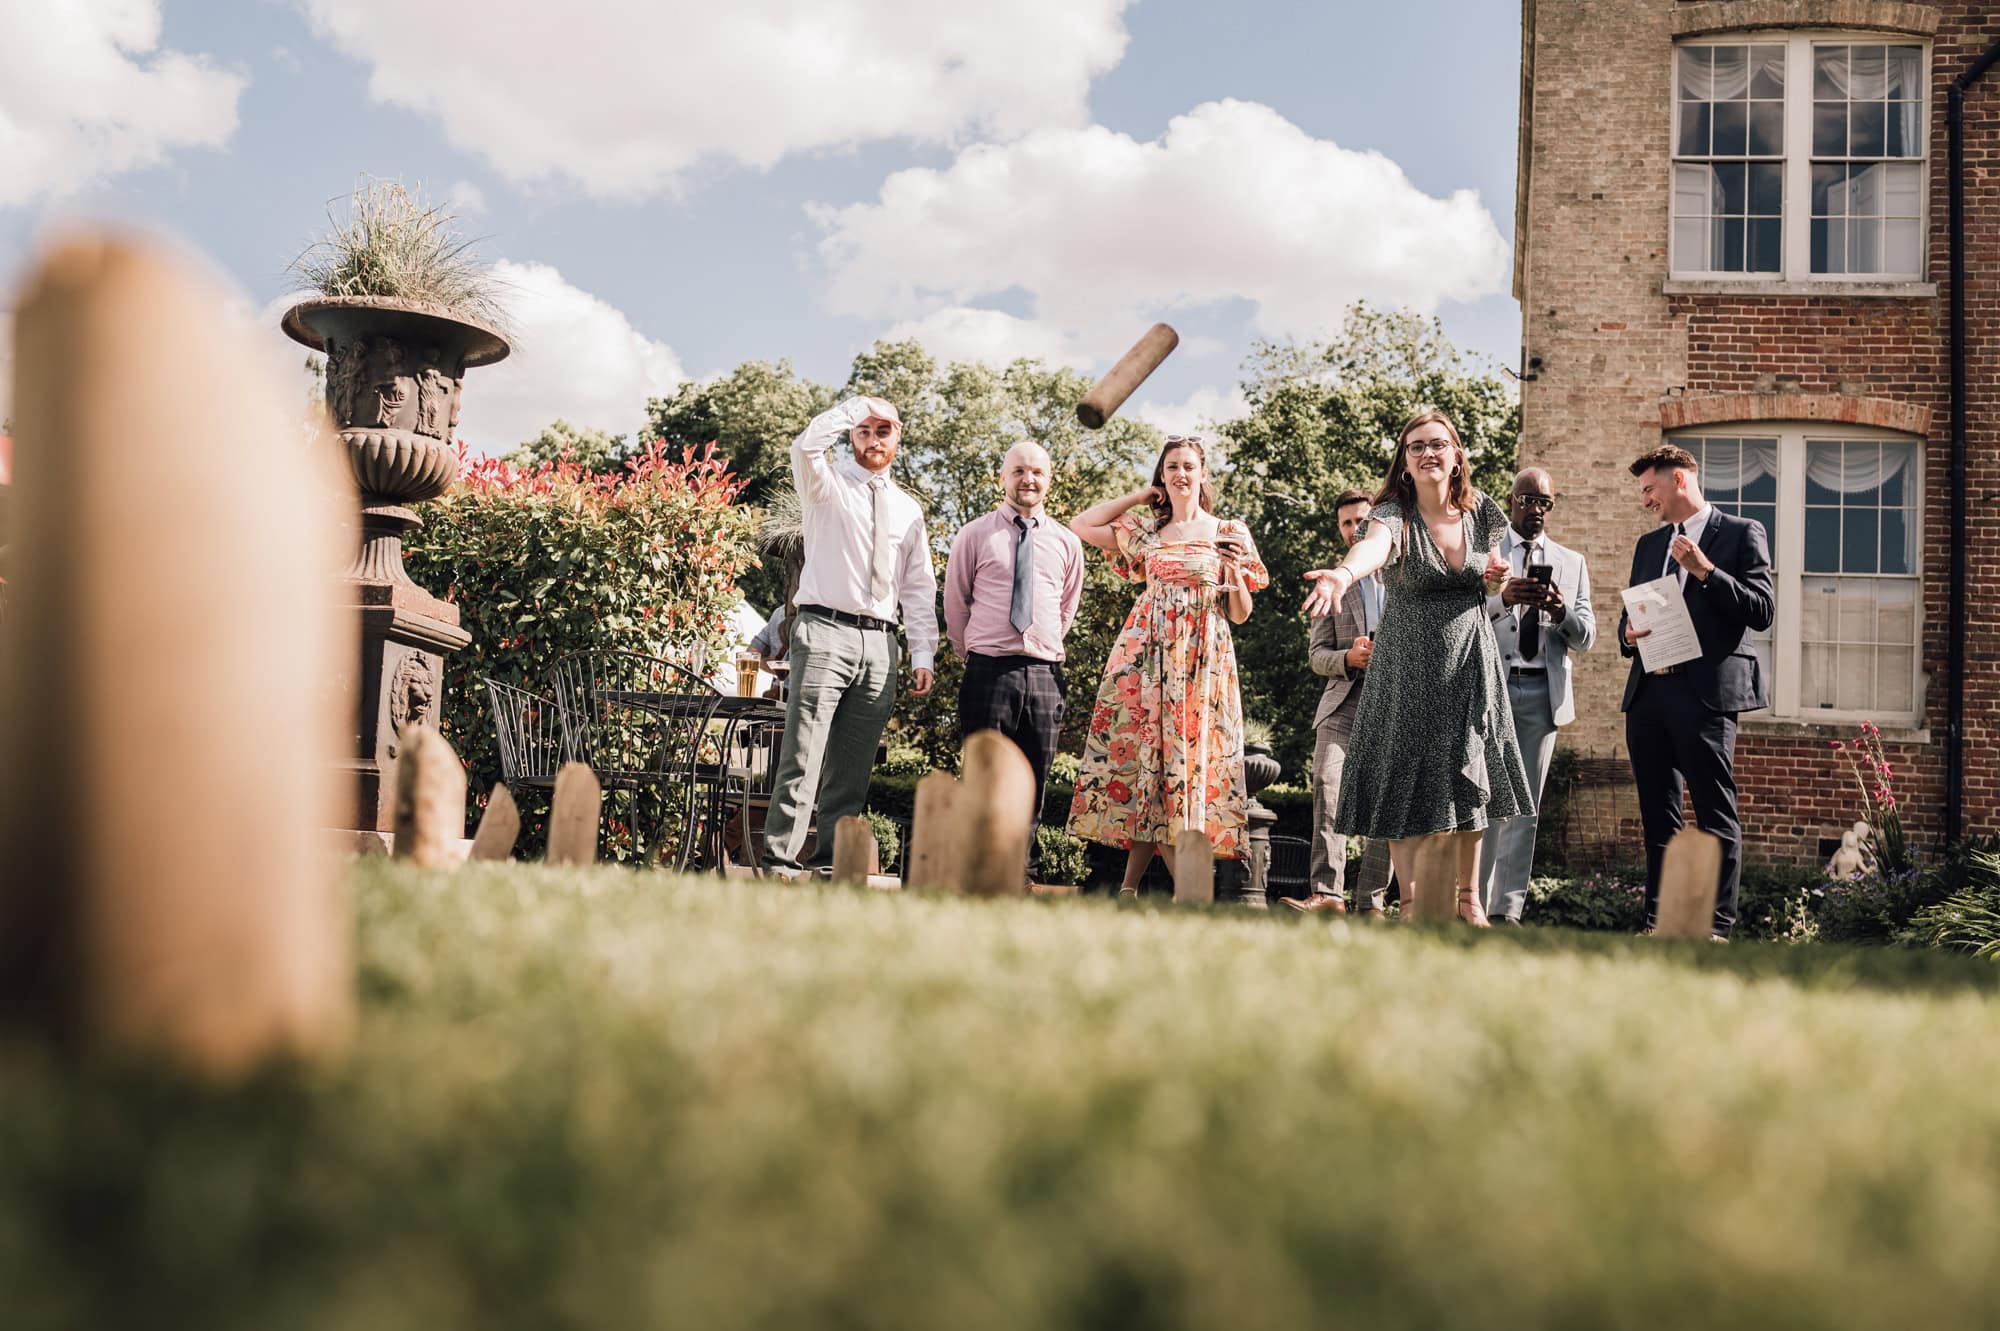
<point>979,587</point>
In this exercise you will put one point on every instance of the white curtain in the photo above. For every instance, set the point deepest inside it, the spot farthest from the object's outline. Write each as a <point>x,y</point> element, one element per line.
<point>1875,73</point>
<point>1726,466</point>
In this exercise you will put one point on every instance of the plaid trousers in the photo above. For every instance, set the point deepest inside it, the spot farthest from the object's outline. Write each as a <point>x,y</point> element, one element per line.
<point>1022,698</point>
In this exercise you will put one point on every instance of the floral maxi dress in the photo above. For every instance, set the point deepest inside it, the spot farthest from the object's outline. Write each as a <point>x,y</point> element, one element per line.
<point>1165,746</point>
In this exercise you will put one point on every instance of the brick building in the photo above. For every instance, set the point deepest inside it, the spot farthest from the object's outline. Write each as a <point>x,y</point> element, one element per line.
<point>1733,232</point>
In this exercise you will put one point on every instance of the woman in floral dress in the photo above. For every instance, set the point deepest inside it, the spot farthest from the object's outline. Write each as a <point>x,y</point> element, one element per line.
<point>1165,746</point>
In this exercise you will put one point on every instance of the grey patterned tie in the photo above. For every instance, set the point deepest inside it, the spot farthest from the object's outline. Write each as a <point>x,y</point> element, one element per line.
<point>1021,610</point>
<point>1531,618</point>
<point>882,561</point>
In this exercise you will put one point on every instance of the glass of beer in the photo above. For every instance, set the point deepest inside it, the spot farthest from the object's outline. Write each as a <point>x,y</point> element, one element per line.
<point>747,667</point>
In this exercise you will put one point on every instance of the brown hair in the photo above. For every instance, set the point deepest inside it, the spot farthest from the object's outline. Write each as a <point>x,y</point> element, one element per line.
<point>1163,506</point>
<point>1666,455</point>
<point>1350,497</point>
<point>1398,485</point>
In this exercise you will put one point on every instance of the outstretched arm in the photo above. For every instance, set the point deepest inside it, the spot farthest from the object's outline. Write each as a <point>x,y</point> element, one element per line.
<point>1366,555</point>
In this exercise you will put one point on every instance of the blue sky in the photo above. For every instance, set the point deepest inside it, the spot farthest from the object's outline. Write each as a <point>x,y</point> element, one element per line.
<point>673,188</point>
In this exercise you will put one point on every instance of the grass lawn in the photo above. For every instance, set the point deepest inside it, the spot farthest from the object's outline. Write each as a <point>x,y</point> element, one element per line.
<point>601,1099</point>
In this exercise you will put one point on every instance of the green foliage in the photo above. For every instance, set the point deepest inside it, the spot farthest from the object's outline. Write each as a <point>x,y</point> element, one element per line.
<point>396,244</point>
<point>1778,903</point>
<point>1968,920</point>
<point>1323,419</point>
<point>554,560</point>
<point>600,1099</point>
<point>1875,907</point>
<point>1064,858</point>
<point>1609,899</point>
<point>592,450</point>
<point>888,839</point>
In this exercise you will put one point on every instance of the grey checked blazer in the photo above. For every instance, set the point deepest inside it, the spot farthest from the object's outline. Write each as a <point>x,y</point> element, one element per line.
<point>1332,635</point>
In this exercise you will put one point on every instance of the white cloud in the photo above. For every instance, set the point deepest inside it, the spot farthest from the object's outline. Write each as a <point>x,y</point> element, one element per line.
<point>988,337</point>
<point>85,93</point>
<point>465,198</point>
<point>1105,233</point>
<point>1204,409</point>
<point>575,356</point>
<point>624,96</point>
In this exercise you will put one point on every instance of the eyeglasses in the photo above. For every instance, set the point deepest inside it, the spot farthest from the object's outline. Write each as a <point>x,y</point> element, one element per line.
<point>1416,448</point>
<point>1540,503</point>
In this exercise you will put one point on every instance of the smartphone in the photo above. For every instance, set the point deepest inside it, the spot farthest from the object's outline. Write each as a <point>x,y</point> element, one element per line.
<point>1542,573</point>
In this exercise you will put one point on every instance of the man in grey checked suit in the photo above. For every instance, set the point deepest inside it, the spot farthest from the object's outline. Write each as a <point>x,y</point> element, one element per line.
<point>1339,649</point>
<point>1537,627</point>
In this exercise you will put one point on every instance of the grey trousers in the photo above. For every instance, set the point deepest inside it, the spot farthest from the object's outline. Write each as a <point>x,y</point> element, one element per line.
<point>843,687</point>
<point>1507,852</point>
<point>1329,848</point>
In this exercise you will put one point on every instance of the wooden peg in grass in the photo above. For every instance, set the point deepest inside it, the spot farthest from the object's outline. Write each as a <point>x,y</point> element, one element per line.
<point>854,851</point>
<point>170,706</point>
<point>499,828</point>
<point>996,808</point>
<point>1194,867</point>
<point>430,799</point>
<point>573,818</point>
<point>1436,888</point>
<point>931,862</point>
<point>1688,876</point>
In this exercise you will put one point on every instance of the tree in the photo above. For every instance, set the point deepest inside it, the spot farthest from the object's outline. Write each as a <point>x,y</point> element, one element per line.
<point>1323,418</point>
<point>559,441</point>
<point>751,415</point>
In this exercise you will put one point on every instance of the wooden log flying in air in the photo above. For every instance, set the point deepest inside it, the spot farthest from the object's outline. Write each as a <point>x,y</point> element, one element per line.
<point>499,828</point>
<point>996,807</point>
<point>579,799</point>
<point>854,851</point>
<point>170,671</point>
<point>1688,876</point>
<point>430,799</point>
<point>1194,867</point>
<point>1108,394</point>
<point>932,861</point>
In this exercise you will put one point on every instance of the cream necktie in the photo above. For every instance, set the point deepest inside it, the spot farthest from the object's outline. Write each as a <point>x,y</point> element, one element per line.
<point>881,567</point>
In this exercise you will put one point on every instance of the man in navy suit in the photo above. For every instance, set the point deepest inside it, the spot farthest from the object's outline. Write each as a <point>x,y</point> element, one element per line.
<point>1680,722</point>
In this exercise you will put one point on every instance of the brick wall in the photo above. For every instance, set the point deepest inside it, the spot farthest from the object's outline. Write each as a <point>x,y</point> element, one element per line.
<point>1620,360</point>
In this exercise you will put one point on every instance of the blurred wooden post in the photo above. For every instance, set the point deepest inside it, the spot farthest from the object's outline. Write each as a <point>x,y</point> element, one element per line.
<point>1688,876</point>
<point>499,828</point>
<point>573,817</point>
<point>170,679</point>
<point>853,851</point>
<point>1194,867</point>
<point>430,800</point>
<point>1437,880</point>
<point>996,807</point>
<point>932,862</point>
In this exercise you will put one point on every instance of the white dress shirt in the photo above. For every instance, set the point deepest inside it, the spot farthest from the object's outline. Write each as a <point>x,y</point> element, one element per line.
<point>1507,618</point>
<point>1693,527</point>
<point>838,510</point>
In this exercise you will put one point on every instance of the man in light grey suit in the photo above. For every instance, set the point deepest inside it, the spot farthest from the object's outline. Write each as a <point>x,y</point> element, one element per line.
<point>1538,624</point>
<point>1339,649</point>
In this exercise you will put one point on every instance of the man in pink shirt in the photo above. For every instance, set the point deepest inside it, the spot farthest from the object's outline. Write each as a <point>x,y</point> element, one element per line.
<point>1010,592</point>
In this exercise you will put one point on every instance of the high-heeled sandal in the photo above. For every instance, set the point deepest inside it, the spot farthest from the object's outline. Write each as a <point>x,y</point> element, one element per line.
<point>1470,910</point>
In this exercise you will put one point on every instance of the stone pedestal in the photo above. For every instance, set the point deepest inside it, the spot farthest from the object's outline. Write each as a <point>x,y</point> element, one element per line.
<point>1260,769</point>
<point>403,645</point>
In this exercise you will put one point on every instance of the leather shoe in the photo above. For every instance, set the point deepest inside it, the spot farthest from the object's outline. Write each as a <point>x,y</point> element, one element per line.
<point>1375,914</point>
<point>1330,905</point>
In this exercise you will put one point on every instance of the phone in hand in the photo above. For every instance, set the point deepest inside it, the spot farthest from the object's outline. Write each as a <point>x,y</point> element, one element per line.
<point>1541,573</point>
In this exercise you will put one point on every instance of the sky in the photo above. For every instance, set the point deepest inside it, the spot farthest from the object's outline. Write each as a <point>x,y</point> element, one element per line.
<point>668,189</point>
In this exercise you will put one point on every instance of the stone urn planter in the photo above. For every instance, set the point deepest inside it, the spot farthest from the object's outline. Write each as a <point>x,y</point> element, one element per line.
<point>395,370</point>
<point>1260,769</point>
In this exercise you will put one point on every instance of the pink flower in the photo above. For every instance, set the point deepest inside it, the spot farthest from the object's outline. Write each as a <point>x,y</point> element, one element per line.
<point>1837,743</point>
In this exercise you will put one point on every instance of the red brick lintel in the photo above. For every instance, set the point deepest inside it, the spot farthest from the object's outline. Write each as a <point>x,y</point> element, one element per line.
<point>1712,16</point>
<point>1690,409</point>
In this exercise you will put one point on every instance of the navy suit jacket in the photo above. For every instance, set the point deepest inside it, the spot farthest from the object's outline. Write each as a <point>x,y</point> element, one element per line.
<point>1733,601</point>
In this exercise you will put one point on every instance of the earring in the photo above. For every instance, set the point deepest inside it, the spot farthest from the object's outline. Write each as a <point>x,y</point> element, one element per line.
<point>1409,479</point>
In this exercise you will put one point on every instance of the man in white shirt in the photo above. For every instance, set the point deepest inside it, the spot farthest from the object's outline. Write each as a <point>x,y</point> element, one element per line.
<point>867,551</point>
<point>1537,625</point>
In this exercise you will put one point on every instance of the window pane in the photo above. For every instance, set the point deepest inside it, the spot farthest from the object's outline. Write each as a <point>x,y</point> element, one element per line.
<point>1896,612</point>
<point>1732,121</point>
<point>1895,680</point>
<point>1829,236</point>
<point>1861,541</point>
<point>1868,81</point>
<point>1861,472</point>
<point>1767,70</point>
<point>1691,245</point>
<point>1906,129</point>
<point>1822,540</point>
<point>1854,686</point>
<point>1731,188</point>
<point>1767,129</point>
<point>1854,599</point>
<point>1829,129</point>
<point>1896,550</point>
<point>1902,242</point>
<point>1760,458</point>
<point>1829,72</point>
<point>1729,255</point>
<point>1896,459</point>
<point>1766,245</point>
<point>1767,514</point>
<point>1692,189</point>
<point>1906,72</point>
<point>1864,245</point>
<point>1732,73</point>
<point>1695,62</point>
<point>1829,190</point>
<point>1866,186</point>
<point>1815,676</point>
<point>1902,190</point>
<point>1694,129</point>
<point>1865,134</point>
<point>1693,67</point>
<point>1767,188</point>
